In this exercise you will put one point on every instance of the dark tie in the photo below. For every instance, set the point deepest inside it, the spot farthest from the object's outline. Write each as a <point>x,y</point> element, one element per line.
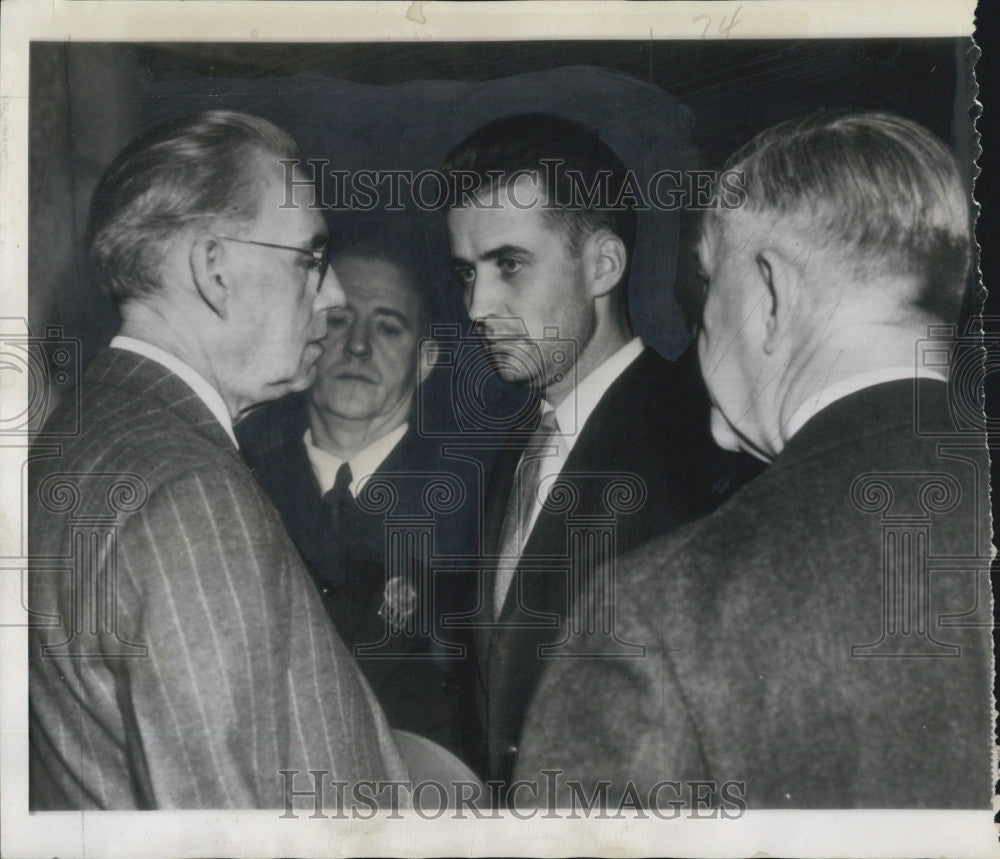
<point>342,504</point>
<point>514,534</point>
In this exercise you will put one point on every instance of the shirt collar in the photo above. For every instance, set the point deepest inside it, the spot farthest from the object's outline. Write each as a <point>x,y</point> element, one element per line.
<point>852,384</point>
<point>206,393</point>
<point>573,412</point>
<point>363,464</point>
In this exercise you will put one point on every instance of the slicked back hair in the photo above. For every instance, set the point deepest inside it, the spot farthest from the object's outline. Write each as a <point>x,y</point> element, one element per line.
<point>514,145</point>
<point>187,172</point>
<point>397,252</point>
<point>878,190</point>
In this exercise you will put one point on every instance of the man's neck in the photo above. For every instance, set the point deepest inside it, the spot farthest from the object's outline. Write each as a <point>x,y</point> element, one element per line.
<point>607,340</point>
<point>346,438</point>
<point>146,323</point>
<point>846,352</point>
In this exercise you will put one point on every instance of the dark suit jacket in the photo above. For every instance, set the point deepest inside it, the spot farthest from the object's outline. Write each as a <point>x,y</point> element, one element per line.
<point>424,687</point>
<point>769,661</point>
<point>650,430</point>
<point>213,665</point>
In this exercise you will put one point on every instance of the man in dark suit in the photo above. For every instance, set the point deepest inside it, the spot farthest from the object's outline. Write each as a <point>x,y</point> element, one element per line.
<point>180,656</point>
<point>619,450</point>
<point>822,639</point>
<point>347,468</point>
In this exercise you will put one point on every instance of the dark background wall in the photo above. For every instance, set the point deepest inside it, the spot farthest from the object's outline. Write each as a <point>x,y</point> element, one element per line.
<point>372,105</point>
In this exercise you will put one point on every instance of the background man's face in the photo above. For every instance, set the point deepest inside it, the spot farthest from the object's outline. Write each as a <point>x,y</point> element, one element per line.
<point>730,347</point>
<point>519,278</point>
<point>280,315</point>
<point>369,367</point>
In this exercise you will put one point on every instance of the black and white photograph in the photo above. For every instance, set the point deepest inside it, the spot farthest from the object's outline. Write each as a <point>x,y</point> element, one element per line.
<point>494,429</point>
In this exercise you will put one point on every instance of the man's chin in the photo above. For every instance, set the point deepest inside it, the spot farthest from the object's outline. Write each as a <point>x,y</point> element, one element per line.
<point>302,380</point>
<point>722,431</point>
<point>514,364</point>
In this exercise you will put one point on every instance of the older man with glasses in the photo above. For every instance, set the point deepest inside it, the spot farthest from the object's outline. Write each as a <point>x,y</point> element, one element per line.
<point>185,660</point>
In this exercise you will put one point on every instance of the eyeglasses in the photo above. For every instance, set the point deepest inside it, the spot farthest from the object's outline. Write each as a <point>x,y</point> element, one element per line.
<point>320,257</point>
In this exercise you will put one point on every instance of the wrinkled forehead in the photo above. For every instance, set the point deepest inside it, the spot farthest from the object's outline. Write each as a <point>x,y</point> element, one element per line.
<point>376,279</point>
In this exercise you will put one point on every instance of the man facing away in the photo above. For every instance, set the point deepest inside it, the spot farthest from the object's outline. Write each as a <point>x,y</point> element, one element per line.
<point>316,454</point>
<point>815,642</point>
<point>183,658</point>
<point>621,451</point>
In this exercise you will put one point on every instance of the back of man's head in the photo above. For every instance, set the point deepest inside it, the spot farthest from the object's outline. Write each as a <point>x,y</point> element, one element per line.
<point>877,193</point>
<point>181,174</point>
<point>580,175</point>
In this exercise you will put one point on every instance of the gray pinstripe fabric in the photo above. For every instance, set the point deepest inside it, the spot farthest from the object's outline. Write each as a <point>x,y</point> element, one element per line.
<point>244,675</point>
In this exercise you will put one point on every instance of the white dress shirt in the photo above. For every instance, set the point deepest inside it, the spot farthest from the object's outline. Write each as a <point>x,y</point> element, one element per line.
<point>206,393</point>
<point>363,464</point>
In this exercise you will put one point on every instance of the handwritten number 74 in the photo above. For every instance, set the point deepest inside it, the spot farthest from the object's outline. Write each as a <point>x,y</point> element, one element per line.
<point>726,23</point>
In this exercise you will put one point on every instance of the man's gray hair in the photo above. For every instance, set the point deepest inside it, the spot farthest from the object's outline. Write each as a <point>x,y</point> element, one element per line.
<point>879,191</point>
<point>187,172</point>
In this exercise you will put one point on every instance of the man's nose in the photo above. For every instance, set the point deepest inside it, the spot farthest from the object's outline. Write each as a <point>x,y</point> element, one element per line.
<point>481,298</point>
<point>331,293</point>
<point>358,343</point>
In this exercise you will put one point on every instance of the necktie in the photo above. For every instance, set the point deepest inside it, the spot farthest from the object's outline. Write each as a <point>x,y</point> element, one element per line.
<point>514,533</point>
<point>341,501</point>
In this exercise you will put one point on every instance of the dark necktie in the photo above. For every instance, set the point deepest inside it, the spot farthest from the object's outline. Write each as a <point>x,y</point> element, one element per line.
<point>340,500</point>
<point>514,533</point>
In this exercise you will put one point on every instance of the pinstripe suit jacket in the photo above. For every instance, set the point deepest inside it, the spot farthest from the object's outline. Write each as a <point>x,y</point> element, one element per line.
<point>180,656</point>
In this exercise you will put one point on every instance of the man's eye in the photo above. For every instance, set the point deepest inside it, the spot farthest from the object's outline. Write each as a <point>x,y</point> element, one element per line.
<point>389,330</point>
<point>335,320</point>
<point>509,266</point>
<point>464,275</point>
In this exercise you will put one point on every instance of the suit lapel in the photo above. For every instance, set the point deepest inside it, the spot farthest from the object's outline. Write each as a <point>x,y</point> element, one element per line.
<point>548,541</point>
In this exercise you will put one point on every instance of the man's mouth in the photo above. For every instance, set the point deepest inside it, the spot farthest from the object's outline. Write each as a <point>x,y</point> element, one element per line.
<point>356,377</point>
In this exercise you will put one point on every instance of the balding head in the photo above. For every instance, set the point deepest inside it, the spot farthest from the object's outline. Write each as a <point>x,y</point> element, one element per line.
<point>854,236</point>
<point>875,194</point>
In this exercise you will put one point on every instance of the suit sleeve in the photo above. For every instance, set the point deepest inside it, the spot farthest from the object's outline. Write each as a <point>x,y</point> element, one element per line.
<point>245,676</point>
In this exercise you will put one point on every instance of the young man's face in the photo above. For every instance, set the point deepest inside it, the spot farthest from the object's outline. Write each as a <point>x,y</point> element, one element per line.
<point>369,368</point>
<point>522,284</point>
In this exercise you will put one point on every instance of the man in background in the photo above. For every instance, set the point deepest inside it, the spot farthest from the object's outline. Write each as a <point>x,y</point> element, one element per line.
<point>332,457</point>
<point>814,642</point>
<point>621,434</point>
<point>182,658</point>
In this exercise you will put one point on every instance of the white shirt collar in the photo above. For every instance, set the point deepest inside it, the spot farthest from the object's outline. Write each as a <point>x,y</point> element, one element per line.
<point>363,464</point>
<point>206,393</point>
<point>850,385</point>
<point>573,412</point>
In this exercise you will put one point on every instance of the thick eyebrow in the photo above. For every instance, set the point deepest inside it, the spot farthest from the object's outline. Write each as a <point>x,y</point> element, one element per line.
<point>505,251</point>
<point>494,254</point>
<point>398,315</point>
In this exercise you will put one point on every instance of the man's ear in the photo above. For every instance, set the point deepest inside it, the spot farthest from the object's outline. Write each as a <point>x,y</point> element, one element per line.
<point>608,259</point>
<point>779,275</point>
<point>210,272</point>
<point>427,358</point>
